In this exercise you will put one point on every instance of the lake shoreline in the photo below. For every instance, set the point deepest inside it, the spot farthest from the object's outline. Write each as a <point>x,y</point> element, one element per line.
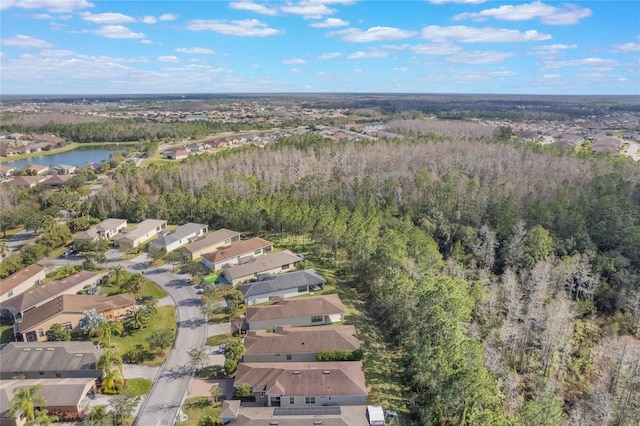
<point>68,147</point>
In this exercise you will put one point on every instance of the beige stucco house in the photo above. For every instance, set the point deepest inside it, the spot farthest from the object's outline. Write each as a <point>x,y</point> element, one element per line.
<point>210,242</point>
<point>21,281</point>
<point>140,233</point>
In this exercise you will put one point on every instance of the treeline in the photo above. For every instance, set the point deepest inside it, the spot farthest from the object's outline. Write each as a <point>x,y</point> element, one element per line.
<point>129,130</point>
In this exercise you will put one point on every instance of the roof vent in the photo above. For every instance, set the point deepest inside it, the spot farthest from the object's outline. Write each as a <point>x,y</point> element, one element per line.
<point>49,349</point>
<point>274,423</point>
<point>296,372</point>
<point>25,349</point>
<point>326,372</point>
<point>37,349</point>
<point>317,422</point>
<point>79,355</point>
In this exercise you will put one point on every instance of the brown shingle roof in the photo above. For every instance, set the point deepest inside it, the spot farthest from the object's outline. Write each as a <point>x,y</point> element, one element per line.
<point>292,340</point>
<point>327,304</point>
<point>14,280</point>
<point>262,264</point>
<point>75,303</point>
<point>56,392</point>
<point>236,249</point>
<point>211,239</point>
<point>48,356</point>
<point>304,378</point>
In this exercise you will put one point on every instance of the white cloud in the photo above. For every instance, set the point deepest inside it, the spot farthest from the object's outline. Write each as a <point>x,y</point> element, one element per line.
<point>195,50</point>
<point>149,20</point>
<point>296,69</point>
<point>330,23</point>
<point>294,61</point>
<point>590,62</point>
<point>552,76</point>
<point>402,69</point>
<point>368,55</point>
<point>554,47</point>
<point>25,41</point>
<point>146,41</point>
<point>168,17</point>
<point>436,49</point>
<point>329,55</point>
<point>245,28</point>
<point>354,35</point>
<point>55,6</point>
<point>107,18</point>
<point>43,16</point>
<point>309,9</point>
<point>57,53</point>
<point>173,59</point>
<point>252,7</point>
<point>480,57</point>
<point>628,47</point>
<point>567,14</point>
<point>457,1</point>
<point>465,34</point>
<point>116,31</point>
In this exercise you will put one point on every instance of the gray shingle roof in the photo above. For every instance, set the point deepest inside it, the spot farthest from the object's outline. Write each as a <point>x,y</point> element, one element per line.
<point>48,356</point>
<point>282,282</point>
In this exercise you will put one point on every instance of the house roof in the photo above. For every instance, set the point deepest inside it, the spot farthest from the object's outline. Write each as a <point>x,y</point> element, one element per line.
<point>210,239</point>
<point>183,231</point>
<point>350,415</point>
<point>17,278</point>
<point>39,294</point>
<point>286,281</point>
<point>75,303</point>
<point>105,225</point>
<point>141,229</point>
<point>328,304</point>
<point>290,340</point>
<point>48,356</point>
<point>237,249</point>
<point>57,179</point>
<point>303,378</point>
<point>56,392</point>
<point>39,167</point>
<point>262,264</point>
<point>26,180</point>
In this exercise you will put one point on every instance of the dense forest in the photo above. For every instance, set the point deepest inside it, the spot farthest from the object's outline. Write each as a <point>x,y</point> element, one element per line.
<point>506,275</point>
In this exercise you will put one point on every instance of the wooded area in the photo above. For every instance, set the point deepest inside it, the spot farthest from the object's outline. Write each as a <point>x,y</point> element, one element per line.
<point>507,274</point>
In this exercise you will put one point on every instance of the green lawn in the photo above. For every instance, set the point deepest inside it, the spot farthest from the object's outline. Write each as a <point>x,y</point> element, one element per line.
<point>138,386</point>
<point>150,289</point>
<point>6,333</point>
<point>165,318</point>
<point>223,338</point>
<point>198,407</point>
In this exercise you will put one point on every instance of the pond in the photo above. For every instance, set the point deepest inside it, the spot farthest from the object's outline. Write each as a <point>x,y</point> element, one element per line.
<point>77,157</point>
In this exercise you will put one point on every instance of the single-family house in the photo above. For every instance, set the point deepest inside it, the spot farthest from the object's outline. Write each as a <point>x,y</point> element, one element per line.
<point>274,263</point>
<point>175,154</point>
<point>179,237</point>
<point>50,360</point>
<point>283,384</point>
<point>65,169</point>
<point>6,171</point>
<point>104,230</point>
<point>140,233</point>
<point>68,310</point>
<point>57,181</point>
<point>21,281</point>
<point>13,309</point>
<point>36,169</point>
<point>26,181</point>
<point>210,242</point>
<point>300,312</point>
<point>331,415</point>
<point>284,285</point>
<point>236,253</point>
<point>298,344</point>
<point>59,395</point>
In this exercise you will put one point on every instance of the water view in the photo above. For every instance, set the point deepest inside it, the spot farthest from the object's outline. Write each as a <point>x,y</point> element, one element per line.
<point>78,157</point>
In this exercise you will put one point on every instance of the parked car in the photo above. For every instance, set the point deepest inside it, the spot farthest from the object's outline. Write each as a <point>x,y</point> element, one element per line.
<point>144,299</point>
<point>198,289</point>
<point>222,348</point>
<point>68,252</point>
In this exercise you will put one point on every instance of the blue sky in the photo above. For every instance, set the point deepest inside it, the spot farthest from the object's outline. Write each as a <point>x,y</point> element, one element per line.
<point>418,46</point>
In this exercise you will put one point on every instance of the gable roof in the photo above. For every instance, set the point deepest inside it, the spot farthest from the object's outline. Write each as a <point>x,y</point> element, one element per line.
<point>59,392</point>
<point>236,249</point>
<point>26,180</point>
<point>303,378</point>
<point>328,304</point>
<point>75,303</point>
<point>141,229</point>
<point>48,356</point>
<point>106,225</point>
<point>287,339</point>
<point>285,281</point>
<point>262,264</point>
<point>350,415</point>
<point>17,278</point>
<point>57,179</point>
<point>210,239</point>
<point>39,294</point>
<point>181,232</point>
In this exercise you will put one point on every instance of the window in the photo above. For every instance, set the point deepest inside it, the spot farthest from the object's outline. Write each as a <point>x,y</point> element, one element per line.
<point>285,267</point>
<point>302,289</point>
<point>41,373</point>
<point>58,374</point>
<point>257,252</point>
<point>317,318</point>
<point>10,293</point>
<point>67,326</point>
<point>227,241</point>
<point>288,357</point>
<point>310,400</point>
<point>292,400</point>
<point>40,332</point>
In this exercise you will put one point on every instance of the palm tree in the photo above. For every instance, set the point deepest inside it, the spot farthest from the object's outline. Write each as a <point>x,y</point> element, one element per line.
<point>24,399</point>
<point>108,329</point>
<point>4,249</point>
<point>119,273</point>
<point>113,380</point>
<point>134,284</point>
<point>111,365</point>
<point>138,318</point>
